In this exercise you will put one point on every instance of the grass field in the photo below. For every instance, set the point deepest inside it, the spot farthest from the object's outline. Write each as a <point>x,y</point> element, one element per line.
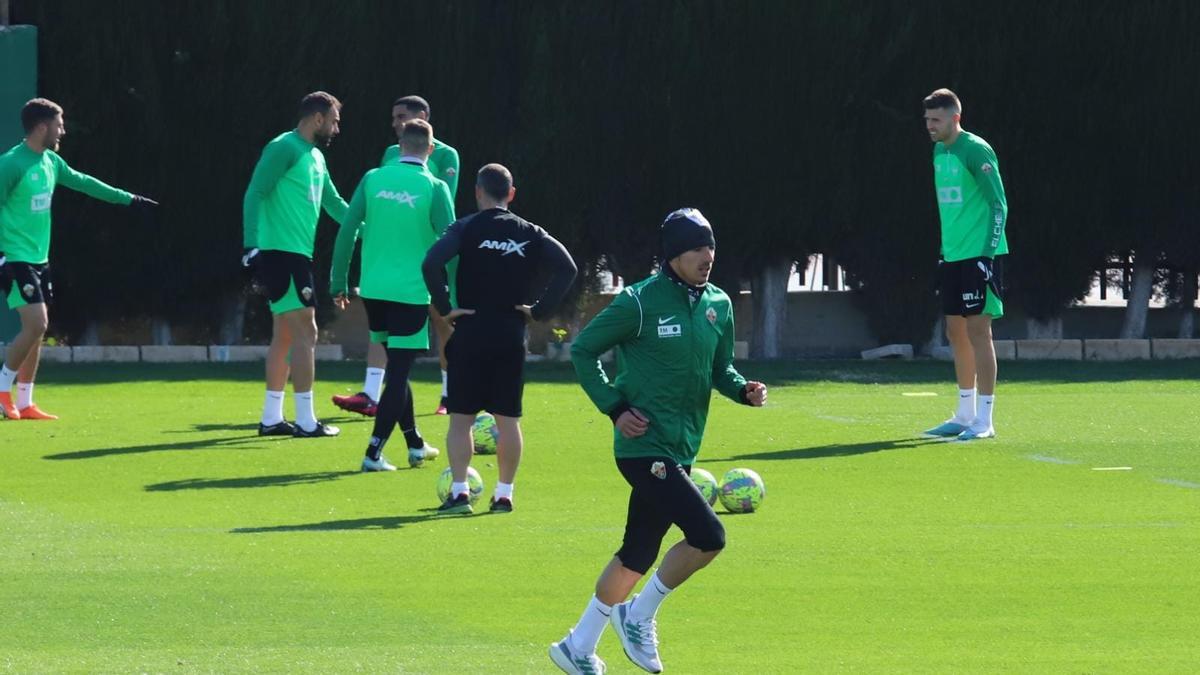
<point>150,530</point>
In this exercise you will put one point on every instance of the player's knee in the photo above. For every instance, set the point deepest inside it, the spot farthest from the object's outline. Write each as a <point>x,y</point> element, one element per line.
<point>638,556</point>
<point>709,540</point>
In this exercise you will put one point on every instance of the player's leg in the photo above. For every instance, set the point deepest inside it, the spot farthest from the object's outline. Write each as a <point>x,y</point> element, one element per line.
<point>366,402</point>
<point>302,323</point>
<point>418,449</point>
<point>508,457</point>
<point>459,447</point>
<point>469,378</point>
<point>391,404</point>
<point>274,278</point>
<point>442,330</point>
<point>979,332</point>
<point>507,390</point>
<point>951,291</point>
<point>22,355</point>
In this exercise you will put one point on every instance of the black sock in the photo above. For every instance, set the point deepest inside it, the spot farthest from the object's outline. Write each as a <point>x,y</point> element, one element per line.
<point>414,440</point>
<point>375,447</point>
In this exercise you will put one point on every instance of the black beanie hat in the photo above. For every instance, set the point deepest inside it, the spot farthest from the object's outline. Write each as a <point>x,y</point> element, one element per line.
<point>684,230</point>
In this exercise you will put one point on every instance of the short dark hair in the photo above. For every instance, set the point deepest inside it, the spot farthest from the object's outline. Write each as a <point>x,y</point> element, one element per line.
<point>943,98</point>
<point>413,103</point>
<point>416,135</point>
<point>319,102</point>
<point>38,110</point>
<point>495,180</point>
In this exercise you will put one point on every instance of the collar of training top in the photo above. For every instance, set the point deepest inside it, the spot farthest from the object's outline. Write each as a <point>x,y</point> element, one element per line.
<point>694,292</point>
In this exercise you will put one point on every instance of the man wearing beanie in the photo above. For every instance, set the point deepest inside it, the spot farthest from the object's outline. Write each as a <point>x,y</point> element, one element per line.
<point>674,336</point>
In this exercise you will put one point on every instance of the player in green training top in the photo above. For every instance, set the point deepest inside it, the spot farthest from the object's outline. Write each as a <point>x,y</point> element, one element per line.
<point>442,163</point>
<point>973,212</point>
<point>29,172</point>
<point>289,188</point>
<point>400,209</point>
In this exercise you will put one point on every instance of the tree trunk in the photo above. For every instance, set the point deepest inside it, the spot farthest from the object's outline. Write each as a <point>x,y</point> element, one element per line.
<point>1049,329</point>
<point>160,332</point>
<point>91,334</point>
<point>233,320</point>
<point>1187,306</point>
<point>1137,306</point>
<point>768,292</point>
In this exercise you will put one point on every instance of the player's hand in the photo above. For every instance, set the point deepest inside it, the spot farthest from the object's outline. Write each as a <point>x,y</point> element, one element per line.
<point>632,423</point>
<point>527,310</point>
<point>140,202</point>
<point>341,300</point>
<point>756,394</point>
<point>457,313</point>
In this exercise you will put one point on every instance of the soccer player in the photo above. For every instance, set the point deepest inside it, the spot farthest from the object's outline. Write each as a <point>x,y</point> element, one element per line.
<point>973,212</point>
<point>443,165</point>
<point>401,209</point>
<point>674,336</point>
<point>29,172</point>
<point>499,255</point>
<point>289,188</point>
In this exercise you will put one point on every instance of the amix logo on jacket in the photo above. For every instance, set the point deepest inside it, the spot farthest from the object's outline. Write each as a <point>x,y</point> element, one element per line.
<point>508,247</point>
<point>669,329</point>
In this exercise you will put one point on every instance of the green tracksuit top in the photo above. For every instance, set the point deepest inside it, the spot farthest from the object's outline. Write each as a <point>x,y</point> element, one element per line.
<point>671,353</point>
<point>400,210</point>
<point>289,188</point>
<point>442,163</point>
<point>27,182</point>
<point>970,198</point>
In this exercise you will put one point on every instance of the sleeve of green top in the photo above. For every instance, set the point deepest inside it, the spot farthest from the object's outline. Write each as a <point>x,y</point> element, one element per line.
<point>276,159</point>
<point>10,176</point>
<point>343,247</point>
<point>450,172</point>
<point>81,182</point>
<point>725,378</point>
<point>620,322</point>
<point>441,213</point>
<point>986,170</point>
<point>332,202</point>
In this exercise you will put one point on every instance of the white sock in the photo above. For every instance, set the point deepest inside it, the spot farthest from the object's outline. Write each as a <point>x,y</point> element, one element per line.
<point>373,385</point>
<point>983,418</point>
<point>457,488</point>
<point>653,593</point>
<point>445,390</point>
<point>24,395</point>
<point>7,377</point>
<point>586,634</point>
<point>966,406</point>
<point>504,490</point>
<point>306,419</point>
<point>273,408</point>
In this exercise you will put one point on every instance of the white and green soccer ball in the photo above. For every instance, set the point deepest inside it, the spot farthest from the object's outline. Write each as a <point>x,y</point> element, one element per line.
<point>474,482</point>
<point>742,491</point>
<point>707,484</point>
<point>485,434</point>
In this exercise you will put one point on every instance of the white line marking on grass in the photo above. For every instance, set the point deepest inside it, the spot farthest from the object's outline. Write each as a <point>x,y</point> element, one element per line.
<point>918,393</point>
<point>1179,483</point>
<point>1112,468</point>
<point>1051,460</point>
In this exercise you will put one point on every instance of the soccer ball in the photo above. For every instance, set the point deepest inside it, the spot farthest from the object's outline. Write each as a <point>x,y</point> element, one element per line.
<point>742,491</point>
<point>485,433</point>
<point>707,483</point>
<point>474,482</point>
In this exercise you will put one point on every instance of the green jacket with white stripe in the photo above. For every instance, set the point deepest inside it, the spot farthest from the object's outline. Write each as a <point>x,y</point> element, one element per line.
<point>671,354</point>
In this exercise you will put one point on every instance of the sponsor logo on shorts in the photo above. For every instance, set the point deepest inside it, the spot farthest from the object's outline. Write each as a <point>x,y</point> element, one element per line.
<point>398,197</point>
<point>659,470</point>
<point>307,293</point>
<point>508,247</point>
<point>27,290</point>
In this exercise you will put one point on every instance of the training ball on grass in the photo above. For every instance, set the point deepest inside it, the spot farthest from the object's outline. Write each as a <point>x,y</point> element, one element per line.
<point>474,482</point>
<point>707,483</point>
<point>742,491</point>
<point>485,433</point>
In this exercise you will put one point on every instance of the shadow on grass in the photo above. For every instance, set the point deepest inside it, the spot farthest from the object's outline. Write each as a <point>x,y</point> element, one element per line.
<point>219,426</point>
<point>203,444</point>
<point>836,450</point>
<point>385,523</point>
<point>282,480</point>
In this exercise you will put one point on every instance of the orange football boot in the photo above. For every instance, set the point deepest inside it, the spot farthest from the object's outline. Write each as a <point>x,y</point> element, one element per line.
<point>7,409</point>
<point>35,413</point>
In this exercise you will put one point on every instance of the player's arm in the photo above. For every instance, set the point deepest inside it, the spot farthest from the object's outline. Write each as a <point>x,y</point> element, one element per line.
<point>332,202</point>
<point>448,166</point>
<point>92,187</point>
<point>276,159</point>
<point>986,170</point>
<point>433,268</point>
<point>620,322</point>
<point>10,176</point>
<point>441,213</point>
<point>343,246</point>
<point>562,275</point>
<point>388,156</point>
<point>725,377</point>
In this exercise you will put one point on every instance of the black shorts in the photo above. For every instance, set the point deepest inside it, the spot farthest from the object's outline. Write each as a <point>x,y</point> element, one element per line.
<point>26,284</point>
<point>664,495</point>
<point>288,280</point>
<point>396,324</point>
<point>966,289</point>
<point>485,365</point>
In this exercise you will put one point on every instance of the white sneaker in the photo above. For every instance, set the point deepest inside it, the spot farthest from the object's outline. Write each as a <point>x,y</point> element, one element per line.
<point>577,664</point>
<point>380,464</point>
<point>639,637</point>
<point>971,434</point>
<point>417,456</point>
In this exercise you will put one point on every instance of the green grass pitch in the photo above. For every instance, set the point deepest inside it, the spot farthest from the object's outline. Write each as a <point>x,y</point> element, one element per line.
<point>150,530</point>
